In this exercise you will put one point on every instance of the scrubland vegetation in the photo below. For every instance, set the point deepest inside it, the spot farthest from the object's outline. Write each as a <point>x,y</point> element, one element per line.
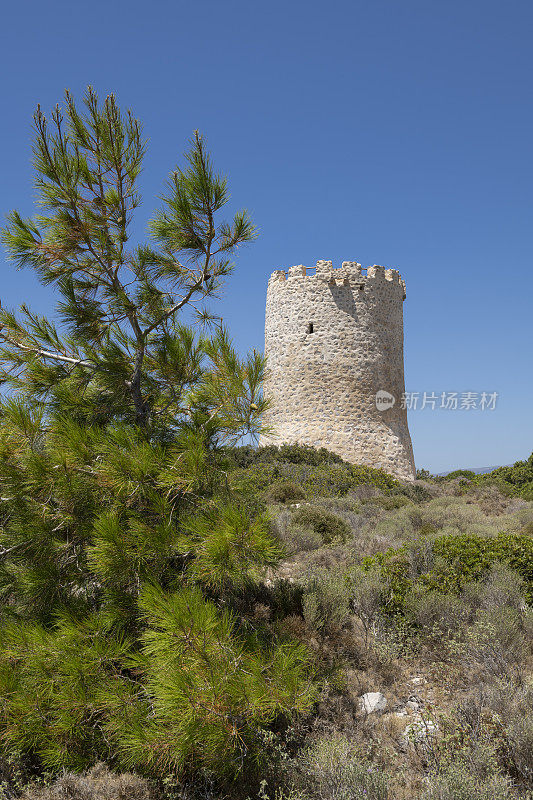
<point>421,592</point>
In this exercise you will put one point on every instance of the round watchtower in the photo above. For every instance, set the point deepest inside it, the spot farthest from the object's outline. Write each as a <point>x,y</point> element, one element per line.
<point>333,341</point>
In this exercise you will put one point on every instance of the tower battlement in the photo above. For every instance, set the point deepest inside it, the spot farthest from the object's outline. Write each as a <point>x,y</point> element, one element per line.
<point>333,341</point>
<point>349,272</point>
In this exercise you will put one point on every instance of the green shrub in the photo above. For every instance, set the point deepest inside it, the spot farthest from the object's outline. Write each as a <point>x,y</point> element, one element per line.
<point>456,560</point>
<point>238,457</point>
<point>303,454</point>
<point>424,475</point>
<point>375,477</point>
<point>497,643</point>
<point>393,567</point>
<point>255,479</point>
<point>285,492</point>
<point>502,587</point>
<point>326,600</point>
<point>333,769</point>
<point>458,781</point>
<point>416,492</point>
<point>302,539</point>
<point>328,480</point>
<point>246,456</point>
<point>519,477</point>
<point>470,557</point>
<point>368,590</point>
<point>328,526</point>
<point>435,612</point>
<point>390,502</point>
<point>318,472</point>
<point>526,491</point>
<point>460,473</point>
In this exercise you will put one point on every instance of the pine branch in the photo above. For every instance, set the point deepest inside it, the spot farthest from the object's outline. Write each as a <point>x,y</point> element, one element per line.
<point>47,353</point>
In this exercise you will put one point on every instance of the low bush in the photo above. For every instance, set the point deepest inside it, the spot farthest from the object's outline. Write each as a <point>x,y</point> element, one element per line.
<point>362,475</point>
<point>318,472</point>
<point>368,591</point>
<point>328,480</point>
<point>460,473</point>
<point>417,491</point>
<point>497,644</point>
<point>333,769</point>
<point>301,454</point>
<point>415,522</point>
<point>286,599</point>
<point>328,526</point>
<point>364,492</point>
<point>437,613</point>
<point>326,601</point>
<point>389,502</point>
<point>501,710</point>
<point>285,492</point>
<point>295,538</point>
<point>457,560</point>
<point>458,781</point>
<point>519,477</point>
<point>470,557</point>
<point>255,479</point>
<point>246,456</point>
<point>502,587</point>
<point>519,745</point>
<point>303,540</point>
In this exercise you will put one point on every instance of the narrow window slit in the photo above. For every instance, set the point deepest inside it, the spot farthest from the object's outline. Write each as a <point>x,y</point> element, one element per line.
<point>310,328</point>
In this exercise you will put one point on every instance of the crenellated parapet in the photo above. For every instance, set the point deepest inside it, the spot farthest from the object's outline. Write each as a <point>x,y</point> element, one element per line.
<point>349,273</point>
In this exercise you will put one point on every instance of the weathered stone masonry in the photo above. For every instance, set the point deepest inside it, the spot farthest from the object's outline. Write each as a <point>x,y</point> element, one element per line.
<point>332,341</point>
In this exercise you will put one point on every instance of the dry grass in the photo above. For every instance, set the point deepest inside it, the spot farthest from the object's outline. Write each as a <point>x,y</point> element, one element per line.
<point>96,784</point>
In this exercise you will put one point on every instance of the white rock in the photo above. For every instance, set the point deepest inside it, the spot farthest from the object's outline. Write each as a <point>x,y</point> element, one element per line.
<point>421,730</point>
<point>373,702</point>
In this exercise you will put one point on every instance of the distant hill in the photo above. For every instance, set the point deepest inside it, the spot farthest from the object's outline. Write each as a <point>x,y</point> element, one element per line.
<point>477,470</point>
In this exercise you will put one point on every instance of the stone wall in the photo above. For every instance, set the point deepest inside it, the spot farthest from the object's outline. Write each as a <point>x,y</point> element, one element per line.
<point>332,341</point>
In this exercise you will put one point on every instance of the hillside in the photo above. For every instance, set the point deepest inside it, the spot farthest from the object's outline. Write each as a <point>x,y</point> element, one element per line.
<point>414,602</point>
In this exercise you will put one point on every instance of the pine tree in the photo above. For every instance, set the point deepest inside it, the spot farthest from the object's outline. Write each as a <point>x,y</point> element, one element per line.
<point>122,347</point>
<point>125,558</point>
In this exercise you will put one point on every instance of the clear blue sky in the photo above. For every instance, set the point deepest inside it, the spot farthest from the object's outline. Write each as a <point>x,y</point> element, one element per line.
<point>387,132</point>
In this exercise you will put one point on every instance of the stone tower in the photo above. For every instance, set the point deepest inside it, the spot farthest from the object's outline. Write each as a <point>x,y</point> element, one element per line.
<point>333,341</point>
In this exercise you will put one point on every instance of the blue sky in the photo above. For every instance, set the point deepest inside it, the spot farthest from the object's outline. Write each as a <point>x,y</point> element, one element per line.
<point>387,132</point>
